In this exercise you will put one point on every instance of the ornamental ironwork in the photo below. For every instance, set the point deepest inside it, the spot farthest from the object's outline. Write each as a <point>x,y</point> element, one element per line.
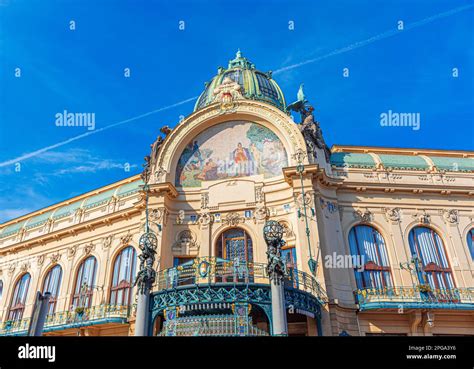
<point>273,235</point>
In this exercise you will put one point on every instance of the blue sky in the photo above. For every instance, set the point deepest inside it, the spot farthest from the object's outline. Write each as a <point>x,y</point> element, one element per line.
<point>82,70</point>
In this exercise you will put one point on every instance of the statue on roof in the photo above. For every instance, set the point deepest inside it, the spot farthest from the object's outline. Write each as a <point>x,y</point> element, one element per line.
<point>310,128</point>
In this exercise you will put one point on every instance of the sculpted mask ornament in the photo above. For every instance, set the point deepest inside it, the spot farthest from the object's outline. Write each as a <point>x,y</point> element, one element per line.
<point>125,240</point>
<point>299,155</point>
<point>365,216</point>
<point>55,258</point>
<point>40,260</point>
<point>261,213</point>
<point>181,217</point>
<point>393,214</point>
<point>107,242</point>
<point>160,174</point>
<point>24,267</point>
<point>205,218</point>
<point>451,216</point>
<point>423,218</point>
<point>71,251</point>
<point>88,248</point>
<point>11,268</point>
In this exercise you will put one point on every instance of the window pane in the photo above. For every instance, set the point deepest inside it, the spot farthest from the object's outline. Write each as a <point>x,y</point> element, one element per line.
<point>368,248</point>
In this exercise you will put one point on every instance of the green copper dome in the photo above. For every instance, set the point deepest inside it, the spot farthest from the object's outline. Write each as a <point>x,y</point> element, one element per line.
<point>254,84</point>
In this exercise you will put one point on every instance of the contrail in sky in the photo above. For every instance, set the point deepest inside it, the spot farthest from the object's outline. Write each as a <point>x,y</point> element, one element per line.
<point>353,46</point>
<point>378,37</point>
<point>75,138</point>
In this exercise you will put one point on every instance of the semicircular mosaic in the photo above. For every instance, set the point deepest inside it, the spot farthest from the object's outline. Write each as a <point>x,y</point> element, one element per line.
<point>230,150</point>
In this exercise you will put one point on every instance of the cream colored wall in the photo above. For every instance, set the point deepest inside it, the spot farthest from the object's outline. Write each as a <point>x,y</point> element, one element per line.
<point>350,190</point>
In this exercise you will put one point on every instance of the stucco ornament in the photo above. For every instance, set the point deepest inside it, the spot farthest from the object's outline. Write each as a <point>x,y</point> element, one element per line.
<point>180,217</point>
<point>107,242</point>
<point>71,251</point>
<point>40,260</point>
<point>204,200</point>
<point>423,217</point>
<point>393,214</point>
<point>205,218</point>
<point>126,239</point>
<point>160,174</point>
<point>11,268</point>
<point>227,93</point>
<point>451,216</point>
<point>88,248</point>
<point>233,219</point>
<point>54,258</point>
<point>186,243</point>
<point>261,213</point>
<point>363,216</point>
<point>24,267</point>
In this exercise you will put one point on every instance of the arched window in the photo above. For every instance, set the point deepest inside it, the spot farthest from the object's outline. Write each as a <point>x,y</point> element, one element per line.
<point>369,257</point>
<point>51,284</point>
<point>1,290</point>
<point>428,247</point>
<point>20,293</point>
<point>235,244</point>
<point>85,280</point>
<point>470,242</point>
<point>124,273</point>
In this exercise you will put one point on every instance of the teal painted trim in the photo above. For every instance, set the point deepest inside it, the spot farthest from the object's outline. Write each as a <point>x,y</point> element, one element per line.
<point>414,305</point>
<point>72,325</point>
<point>352,160</point>
<point>403,162</point>
<point>38,220</point>
<point>12,229</point>
<point>453,164</point>
<point>66,210</point>
<point>99,199</point>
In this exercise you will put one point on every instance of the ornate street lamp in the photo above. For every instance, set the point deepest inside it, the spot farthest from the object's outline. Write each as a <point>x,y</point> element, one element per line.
<point>276,269</point>
<point>146,275</point>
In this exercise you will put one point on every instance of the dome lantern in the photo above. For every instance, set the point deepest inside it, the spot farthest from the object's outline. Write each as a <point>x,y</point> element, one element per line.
<point>254,84</point>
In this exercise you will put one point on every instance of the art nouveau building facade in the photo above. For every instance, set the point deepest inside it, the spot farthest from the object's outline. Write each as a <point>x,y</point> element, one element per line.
<point>392,231</point>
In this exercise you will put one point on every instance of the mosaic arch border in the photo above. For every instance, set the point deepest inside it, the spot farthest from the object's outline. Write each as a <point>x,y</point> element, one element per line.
<point>247,110</point>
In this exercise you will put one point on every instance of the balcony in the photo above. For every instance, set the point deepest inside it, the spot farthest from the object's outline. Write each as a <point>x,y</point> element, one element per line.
<point>418,297</point>
<point>101,314</point>
<point>210,284</point>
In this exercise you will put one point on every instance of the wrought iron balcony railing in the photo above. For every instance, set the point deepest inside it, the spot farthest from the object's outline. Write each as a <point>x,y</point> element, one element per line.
<point>209,325</point>
<point>212,270</point>
<point>71,319</point>
<point>421,296</point>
